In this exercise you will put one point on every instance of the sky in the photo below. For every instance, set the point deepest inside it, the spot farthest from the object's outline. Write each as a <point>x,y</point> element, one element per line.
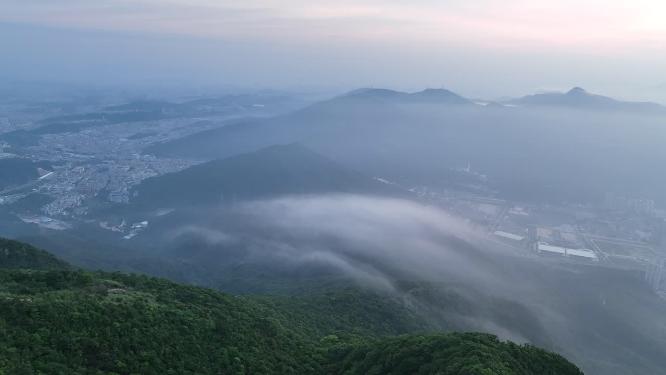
<point>480,48</point>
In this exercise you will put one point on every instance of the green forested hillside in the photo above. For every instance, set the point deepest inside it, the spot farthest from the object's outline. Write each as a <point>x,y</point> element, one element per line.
<point>348,311</point>
<point>450,354</point>
<point>60,321</point>
<point>14,254</point>
<point>70,322</point>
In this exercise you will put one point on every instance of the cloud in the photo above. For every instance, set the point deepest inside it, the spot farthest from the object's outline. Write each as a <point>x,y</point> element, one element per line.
<point>397,247</point>
<point>420,240</point>
<point>368,238</point>
<point>448,273</point>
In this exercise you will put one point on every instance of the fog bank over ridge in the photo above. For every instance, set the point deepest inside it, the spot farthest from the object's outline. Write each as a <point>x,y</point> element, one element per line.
<point>445,270</point>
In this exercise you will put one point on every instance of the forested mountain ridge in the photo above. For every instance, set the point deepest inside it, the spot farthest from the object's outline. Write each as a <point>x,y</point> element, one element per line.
<point>14,254</point>
<point>448,354</point>
<point>271,171</point>
<point>79,322</point>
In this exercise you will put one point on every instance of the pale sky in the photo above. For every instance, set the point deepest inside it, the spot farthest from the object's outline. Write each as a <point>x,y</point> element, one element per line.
<point>484,48</point>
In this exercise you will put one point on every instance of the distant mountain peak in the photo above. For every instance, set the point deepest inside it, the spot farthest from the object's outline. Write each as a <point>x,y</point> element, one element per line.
<point>15,255</point>
<point>430,95</point>
<point>272,171</point>
<point>431,91</point>
<point>374,92</point>
<point>578,97</point>
<point>577,91</point>
<point>440,95</point>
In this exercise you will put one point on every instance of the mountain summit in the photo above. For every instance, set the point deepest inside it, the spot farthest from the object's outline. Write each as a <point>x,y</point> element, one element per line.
<point>271,171</point>
<point>428,96</point>
<point>579,98</point>
<point>440,96</point>
<point>577,91</point>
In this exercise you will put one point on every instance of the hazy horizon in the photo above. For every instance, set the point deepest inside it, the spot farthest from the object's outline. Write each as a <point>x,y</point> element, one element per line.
<point>482,49</point>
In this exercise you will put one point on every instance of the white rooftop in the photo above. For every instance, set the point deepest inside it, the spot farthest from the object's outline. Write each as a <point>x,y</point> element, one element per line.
<point>551,249</point>
<point>585,253</point>
<point>508,235</point>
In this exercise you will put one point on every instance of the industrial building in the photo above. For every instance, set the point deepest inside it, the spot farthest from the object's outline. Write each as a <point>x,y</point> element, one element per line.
<point>584,254</point>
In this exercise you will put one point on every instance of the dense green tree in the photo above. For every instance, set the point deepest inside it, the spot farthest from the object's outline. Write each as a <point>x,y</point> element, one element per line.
<point>57,320</point>
<point>14,254</point>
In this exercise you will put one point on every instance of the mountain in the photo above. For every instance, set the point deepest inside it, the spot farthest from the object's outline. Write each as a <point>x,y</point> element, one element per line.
<point>358,121</point>
<point>439,96</point>
<point>537,153</point>
<point>581,99</point>
<point>78,322</point>
<point>373,93</point>
<point>273,171</point>
<point>427,96</point>
<point>15,255</point>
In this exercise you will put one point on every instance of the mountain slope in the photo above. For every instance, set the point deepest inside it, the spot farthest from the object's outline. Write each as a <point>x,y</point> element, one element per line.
<point>276,170</point>
<point>14,254</point>
<point>460,353</point>
<point>78,322</point>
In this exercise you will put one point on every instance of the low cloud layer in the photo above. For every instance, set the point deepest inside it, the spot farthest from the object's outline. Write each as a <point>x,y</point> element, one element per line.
<point>379,243</point>
<point>398,235</point>
<point>457,277</point>
<point>376,241</point>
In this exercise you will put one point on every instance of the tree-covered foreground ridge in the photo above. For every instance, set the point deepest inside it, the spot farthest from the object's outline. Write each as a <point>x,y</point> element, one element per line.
<point>55,319</point>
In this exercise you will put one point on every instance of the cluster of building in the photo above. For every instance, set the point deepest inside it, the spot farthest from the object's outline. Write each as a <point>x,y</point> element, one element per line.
<point>533,242</point>
<point>624,233</point>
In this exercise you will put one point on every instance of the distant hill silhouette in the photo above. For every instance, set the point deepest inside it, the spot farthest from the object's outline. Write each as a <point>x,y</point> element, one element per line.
<point>276,170</point>
<point>579,98</point>
<point>427,96</point>
<point>538,148</point>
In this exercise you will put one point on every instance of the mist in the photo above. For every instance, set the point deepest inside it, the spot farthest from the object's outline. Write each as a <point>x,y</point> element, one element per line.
<point>446,270</point>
